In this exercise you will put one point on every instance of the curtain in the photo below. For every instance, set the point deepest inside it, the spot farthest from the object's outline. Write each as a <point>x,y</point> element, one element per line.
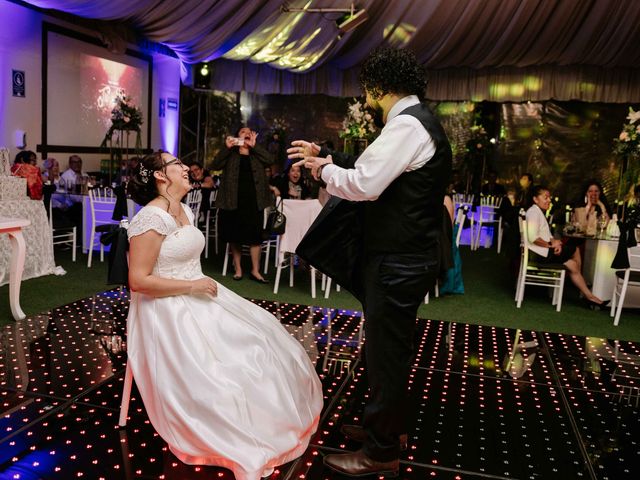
<point>474,49</point>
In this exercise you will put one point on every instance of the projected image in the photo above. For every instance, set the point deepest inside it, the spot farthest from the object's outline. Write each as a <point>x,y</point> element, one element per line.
<point>106,81</point>
<point>83,81</point>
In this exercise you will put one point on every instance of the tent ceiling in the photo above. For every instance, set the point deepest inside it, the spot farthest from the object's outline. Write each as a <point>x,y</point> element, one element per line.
<point>443,33</point>
<point>498,50</point>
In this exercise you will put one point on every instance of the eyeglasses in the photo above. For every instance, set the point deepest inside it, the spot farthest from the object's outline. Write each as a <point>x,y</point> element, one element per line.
<point>172,162</point>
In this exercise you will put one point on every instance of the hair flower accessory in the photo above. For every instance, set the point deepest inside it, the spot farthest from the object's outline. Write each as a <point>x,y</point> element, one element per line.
<point>145,173</point>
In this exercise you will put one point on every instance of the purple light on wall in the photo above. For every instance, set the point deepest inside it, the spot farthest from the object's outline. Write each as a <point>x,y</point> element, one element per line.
<point>169,132</point>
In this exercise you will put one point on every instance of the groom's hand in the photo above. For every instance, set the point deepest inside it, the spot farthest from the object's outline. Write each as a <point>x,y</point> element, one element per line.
<point>302,149</point>
<point>314,164</point>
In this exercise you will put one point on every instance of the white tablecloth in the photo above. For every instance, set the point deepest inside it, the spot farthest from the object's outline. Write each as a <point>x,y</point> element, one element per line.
<point>39,260</point>
<point>300,215</point>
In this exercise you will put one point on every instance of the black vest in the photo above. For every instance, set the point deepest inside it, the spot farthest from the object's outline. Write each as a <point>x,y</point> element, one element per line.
<point>407,217</point>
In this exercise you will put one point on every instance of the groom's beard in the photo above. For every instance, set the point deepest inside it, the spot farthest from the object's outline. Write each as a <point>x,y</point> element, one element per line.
<point>378,115</point>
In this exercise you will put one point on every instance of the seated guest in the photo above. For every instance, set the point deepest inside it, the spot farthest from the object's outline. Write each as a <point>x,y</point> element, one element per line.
<point>24,166</point>
<point>595,206</point>
<point>51,177</point>
<point>524,190</point>
<point>547,250</point>
<point>202,180</point>
<point>72,177</point>
<point>291,185</point>
<point>492,188</point>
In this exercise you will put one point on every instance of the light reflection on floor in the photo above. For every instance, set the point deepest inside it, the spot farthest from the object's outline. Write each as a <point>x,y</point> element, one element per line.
<point>559,406</point>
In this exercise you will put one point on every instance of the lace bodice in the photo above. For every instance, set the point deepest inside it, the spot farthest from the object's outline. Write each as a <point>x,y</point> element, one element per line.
<point>179,255</point>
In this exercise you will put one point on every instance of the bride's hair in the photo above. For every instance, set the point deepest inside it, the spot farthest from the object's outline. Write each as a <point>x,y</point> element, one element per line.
<point>142,185</point>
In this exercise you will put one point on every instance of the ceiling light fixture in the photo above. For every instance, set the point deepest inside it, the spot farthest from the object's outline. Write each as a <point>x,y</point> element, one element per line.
<point>351,19</point>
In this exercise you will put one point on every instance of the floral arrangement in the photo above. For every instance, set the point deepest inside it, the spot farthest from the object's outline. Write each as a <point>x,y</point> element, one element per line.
<point>124,116</point>
<point>358,123</point>
<point>278,128</point>
<point>628,142</point>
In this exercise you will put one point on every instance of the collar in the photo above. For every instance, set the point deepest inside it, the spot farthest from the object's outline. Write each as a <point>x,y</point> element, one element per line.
<point>404,102</point>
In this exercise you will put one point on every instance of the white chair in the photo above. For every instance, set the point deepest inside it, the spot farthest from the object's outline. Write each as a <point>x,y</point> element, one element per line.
<point>625,278</point>
<point>194,201</point>
<point>266,245</point>
<point>461,200</point>
<point>325,285</point>
<point>462,213</point>
<point>102,202</point>
<point>63,235</point>
<point>340,357</point>
<point>544,276</point>
<point>211,225</point>
<point>126,396</point>
<point>487,215</point>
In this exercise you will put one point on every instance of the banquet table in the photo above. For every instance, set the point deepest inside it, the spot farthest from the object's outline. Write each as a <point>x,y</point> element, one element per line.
<point>13,228</point>
<point>39,259</point>
<point>599,252</point>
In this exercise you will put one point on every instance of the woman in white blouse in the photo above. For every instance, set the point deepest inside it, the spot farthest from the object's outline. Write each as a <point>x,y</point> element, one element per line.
<point>547,250</point>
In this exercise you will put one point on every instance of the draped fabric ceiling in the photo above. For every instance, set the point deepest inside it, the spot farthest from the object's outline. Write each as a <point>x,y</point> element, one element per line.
<point>498,50</point>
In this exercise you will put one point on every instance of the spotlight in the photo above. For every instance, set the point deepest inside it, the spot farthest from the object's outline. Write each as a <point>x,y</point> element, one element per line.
<point>349,21</point>
<point>202,76</point>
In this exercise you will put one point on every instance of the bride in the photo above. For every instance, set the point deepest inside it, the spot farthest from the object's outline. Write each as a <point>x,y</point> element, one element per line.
<point>222,381</point>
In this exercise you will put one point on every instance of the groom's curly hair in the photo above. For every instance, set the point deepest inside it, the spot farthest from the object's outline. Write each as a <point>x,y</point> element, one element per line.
<point>392,70</point>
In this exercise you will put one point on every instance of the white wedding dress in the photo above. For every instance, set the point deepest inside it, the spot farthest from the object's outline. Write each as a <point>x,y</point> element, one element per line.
<point>222,381</point>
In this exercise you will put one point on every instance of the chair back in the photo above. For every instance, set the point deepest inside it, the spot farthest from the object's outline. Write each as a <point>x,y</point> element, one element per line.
<point>524,239</point>
<point>102,201</point>
<point>194,200</point>
<point>491,201</point>
<point>300,215</point>
<point>634,257</point>
<point>462,199</point>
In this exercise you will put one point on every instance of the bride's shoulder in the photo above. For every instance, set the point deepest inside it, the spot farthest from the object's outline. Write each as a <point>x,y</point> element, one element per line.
<point>148,218</point>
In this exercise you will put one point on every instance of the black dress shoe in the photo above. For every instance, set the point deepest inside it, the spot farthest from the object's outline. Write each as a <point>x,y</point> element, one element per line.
<point>256,279</point>
<point>237,277</point>
<point>357,464</point>
<point>597,306</point>
<point>357,433</point>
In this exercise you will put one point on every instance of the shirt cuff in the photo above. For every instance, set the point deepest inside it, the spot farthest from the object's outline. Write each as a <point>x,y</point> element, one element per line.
<point>327,171</point>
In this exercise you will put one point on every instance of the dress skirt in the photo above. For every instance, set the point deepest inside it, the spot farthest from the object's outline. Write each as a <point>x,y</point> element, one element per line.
<point>222,381</point>
<point>244,224</point>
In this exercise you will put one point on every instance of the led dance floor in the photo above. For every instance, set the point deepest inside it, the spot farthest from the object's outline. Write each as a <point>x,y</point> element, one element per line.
<point>559,407</point>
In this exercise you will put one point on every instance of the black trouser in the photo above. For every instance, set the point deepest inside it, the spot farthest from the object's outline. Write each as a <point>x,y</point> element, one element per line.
<point>393,286</point>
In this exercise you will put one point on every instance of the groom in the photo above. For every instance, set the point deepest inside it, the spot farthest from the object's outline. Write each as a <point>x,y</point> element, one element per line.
<point>383,243</point>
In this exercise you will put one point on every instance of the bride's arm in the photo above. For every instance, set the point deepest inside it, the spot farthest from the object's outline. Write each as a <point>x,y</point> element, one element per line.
<point>143,253</point>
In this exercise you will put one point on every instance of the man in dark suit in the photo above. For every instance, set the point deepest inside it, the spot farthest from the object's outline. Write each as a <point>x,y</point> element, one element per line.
<point>381,241</point>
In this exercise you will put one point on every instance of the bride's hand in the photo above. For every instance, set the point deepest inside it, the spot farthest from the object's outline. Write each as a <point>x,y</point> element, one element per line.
<point>204,286</point>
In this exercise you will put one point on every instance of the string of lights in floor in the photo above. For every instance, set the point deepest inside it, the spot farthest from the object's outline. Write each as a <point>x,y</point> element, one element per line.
<point>555,407</point>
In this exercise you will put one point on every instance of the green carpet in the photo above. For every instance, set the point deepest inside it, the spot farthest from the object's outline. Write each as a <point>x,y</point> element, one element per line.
<point>488,298</point>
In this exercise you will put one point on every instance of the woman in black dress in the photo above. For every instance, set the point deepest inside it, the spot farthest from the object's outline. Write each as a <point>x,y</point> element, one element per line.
<point>243,195</point>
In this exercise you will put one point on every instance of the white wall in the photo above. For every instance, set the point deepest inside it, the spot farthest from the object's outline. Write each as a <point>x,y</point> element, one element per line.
<point>21,49</point>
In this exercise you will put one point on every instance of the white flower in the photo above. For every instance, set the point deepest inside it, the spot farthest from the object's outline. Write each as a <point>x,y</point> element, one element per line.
<point>633,117</point>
